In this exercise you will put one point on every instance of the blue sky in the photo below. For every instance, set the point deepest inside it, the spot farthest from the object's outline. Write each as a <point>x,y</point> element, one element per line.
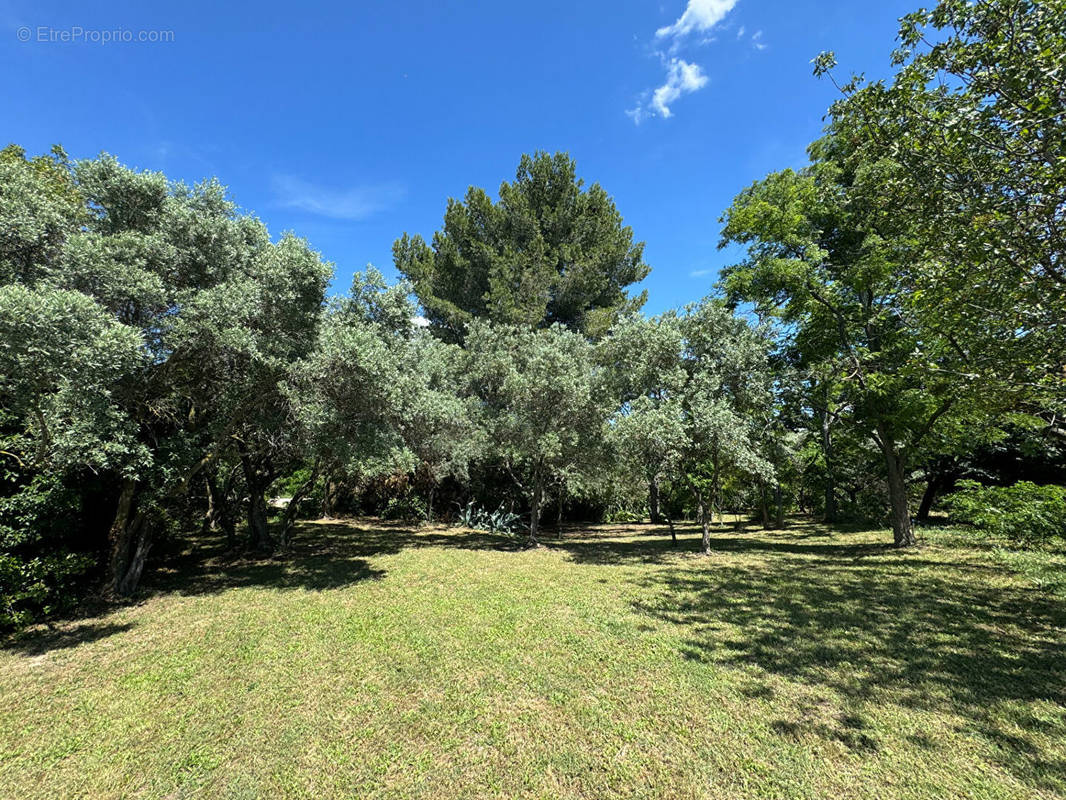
<point>351,123</point>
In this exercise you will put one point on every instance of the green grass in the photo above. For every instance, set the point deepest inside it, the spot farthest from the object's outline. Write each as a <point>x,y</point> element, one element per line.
<point>376,661</point>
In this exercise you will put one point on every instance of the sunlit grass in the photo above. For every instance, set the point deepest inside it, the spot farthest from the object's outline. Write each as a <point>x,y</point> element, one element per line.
<point>376,661</point>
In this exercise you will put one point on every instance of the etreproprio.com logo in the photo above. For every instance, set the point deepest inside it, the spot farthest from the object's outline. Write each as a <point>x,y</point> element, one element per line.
<point>76,34</point>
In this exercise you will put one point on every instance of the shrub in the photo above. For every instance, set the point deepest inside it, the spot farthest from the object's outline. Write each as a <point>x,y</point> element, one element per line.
<point>1025,513</point>
<point>35,588</point>
<point>406,509</point>
<point>40,572</point>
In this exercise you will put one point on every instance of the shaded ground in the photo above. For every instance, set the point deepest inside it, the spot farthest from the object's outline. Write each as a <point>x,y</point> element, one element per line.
<point>376,660</point>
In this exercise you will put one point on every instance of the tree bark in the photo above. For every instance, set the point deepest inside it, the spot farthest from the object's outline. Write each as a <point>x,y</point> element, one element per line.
<point>257,476</point>
<point>132,578</point>
<point>288,519</point>
<point>899,507</point>
<point>118,538</point>
<point>129,541</point>
<point>831,511</point>
<point>534,511</point>
<point>673,533</point>
<point>706,510</point>
<point>210,524</point>
<point>779,500</point>
<point>932,489</point>
<point>328,499</point>
<point>653,501</point>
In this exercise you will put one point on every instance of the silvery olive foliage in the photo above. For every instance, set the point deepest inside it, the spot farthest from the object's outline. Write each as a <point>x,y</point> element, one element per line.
<point>541,404</point>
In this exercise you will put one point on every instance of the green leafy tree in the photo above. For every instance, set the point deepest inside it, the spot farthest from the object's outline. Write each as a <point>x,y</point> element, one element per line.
<point>727,384</point>
<point>542,407</point>
<point>549,251</point>
<point>825,257</point>
<point>644,370</point>
<point>971,132</point>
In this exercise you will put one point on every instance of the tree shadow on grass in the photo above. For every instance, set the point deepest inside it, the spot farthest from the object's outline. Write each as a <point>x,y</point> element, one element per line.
<point>321,555</point>
<point>617,545</point>
<point>928,630</point>
<point>40,641</point>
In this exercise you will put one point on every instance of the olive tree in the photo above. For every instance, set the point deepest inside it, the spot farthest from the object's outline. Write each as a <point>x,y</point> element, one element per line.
<point>541,404</point>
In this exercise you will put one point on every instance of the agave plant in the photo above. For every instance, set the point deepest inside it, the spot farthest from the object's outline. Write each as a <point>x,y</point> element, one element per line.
<point>499,521</point>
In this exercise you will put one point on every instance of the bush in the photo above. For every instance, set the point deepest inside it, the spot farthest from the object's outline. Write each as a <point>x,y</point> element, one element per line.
<point>40,571</point>
<point>36,588</point>
<point>1025,513</point>
<point>406,509</point>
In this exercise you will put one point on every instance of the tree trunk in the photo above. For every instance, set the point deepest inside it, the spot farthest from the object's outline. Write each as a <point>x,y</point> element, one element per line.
<point>932,489</point>
<point>764,508</point>
<point>534,512</point>
<point>257,477</point>
<point>831,512</point>
<point>429,503</point>
<point>706,510</point>
<point>226,512</point>
<point>653,501</point>
<point>288,519</point>
<point>902,530</point>
<point>118,538</point>
<point>327,499</point>
<point>211,515</point>
<point>673,533</point>
<point>132,578</point>
<point>559,515</point>
<point>128,543</point>
<point>779,500</point>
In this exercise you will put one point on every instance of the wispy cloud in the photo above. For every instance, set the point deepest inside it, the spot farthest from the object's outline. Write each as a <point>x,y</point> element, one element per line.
<point>682,77</point>
<point>354,203</point>
<point>700,273</point>
<point>698,16</point>
<point>740,33</point>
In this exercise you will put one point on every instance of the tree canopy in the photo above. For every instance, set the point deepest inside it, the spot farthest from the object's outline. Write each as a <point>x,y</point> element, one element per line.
<point>548,251</point>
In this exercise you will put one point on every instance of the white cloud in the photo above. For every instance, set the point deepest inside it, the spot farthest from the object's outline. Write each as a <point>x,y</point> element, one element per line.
<point>699,15</point>
<point>681,78</point>
<point>755,37</point>
<point>740,33</point>
<point>358,202</point>
<point>700,273</point>
<point>420,322</point>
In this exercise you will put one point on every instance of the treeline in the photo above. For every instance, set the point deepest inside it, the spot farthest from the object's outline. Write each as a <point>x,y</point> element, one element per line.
<point>895,328</point>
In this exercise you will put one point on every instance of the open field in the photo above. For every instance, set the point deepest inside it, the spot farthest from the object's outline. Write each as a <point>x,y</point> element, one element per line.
<point>378,661</point>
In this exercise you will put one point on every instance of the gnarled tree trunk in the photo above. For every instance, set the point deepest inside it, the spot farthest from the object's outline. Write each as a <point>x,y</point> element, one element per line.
<point>257,477</point>
<point>288,519</point>
<point>128,544</point>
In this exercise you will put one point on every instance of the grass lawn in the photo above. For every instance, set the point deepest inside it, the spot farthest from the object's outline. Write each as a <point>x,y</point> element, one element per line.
<point>378,661</point>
